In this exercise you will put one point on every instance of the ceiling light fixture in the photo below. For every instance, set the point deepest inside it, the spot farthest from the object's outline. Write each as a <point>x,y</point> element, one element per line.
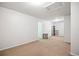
<point>57,20</point>
<point>43,4</point>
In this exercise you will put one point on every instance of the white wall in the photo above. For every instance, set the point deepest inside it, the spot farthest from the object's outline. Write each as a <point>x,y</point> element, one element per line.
<point>67,26</point>
<point>75,28</point>
<point>16,28</point>
<point>47,27</point>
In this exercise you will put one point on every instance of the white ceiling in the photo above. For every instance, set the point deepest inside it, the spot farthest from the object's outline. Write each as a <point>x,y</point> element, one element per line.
<point>57,9</point>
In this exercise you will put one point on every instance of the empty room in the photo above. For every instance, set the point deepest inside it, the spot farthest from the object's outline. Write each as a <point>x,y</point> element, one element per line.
<point>38,28</point>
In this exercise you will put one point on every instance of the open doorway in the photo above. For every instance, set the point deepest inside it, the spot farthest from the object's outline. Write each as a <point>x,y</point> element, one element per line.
<point>57,28</point>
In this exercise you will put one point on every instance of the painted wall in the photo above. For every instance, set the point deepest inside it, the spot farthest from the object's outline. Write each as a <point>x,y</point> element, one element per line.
<point>47,27</point>
<point>67,29</point>
<point>16,28</point>
<point>75,28</point>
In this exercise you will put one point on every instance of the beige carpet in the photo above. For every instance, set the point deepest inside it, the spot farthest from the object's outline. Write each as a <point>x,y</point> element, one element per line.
<point>54,46</point>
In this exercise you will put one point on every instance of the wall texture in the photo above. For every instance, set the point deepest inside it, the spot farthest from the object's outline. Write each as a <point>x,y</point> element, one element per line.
<point>16,28</point>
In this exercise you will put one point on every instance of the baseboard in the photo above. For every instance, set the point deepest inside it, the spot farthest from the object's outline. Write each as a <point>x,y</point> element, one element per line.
<point>67,42</point>
<point>61,36</point>
<point>17,45</point>
<point>74,54</point>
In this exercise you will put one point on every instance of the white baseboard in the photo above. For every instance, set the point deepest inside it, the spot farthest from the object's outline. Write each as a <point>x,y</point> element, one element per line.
<point>16,45</point>
<point>73,54</point>
<point>67,41</point>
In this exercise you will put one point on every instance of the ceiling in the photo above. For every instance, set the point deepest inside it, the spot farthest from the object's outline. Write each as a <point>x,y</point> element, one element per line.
<point>44,11</point>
